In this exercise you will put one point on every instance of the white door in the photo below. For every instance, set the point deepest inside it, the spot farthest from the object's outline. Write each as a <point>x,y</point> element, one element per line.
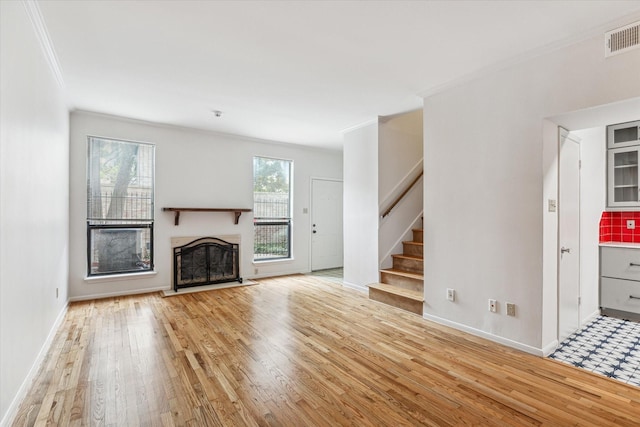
<point>326,221</point>
<point>568,235</point>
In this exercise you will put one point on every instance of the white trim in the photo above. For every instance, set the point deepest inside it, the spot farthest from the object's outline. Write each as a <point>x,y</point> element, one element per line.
<point>12,411</point>
<point>204,131</point>
<point>272,261</point>
<point>549,348</point>
<point>129,141</point>
<point>564,134</point>
<point>358,126</point>
<point>120,277</point>
<point>534,53</point>
<point>119,294</point>
<point>355,287</point>
<point>482,334</point>
<point>568,135</point>
<point>35,16</point>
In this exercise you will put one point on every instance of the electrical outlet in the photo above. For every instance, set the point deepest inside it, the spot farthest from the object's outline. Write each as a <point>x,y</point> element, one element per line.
<point>631,224</point>
<point>511,309</point>
<point>451,294</point>
<point>493,306</point>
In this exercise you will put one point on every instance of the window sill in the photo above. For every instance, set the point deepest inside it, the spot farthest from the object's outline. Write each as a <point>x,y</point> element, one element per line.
<point>273,261</point>
<point>120,277</point>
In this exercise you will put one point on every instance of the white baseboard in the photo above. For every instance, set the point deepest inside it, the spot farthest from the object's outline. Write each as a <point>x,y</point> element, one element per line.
<point>550,348</point>
<point>482,334</point>
<point>118,294</point>
<point>355,287</point>
<point>12,411</point>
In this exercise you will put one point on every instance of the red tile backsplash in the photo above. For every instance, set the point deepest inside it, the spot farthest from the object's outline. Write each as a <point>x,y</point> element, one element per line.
<point>613,227</point>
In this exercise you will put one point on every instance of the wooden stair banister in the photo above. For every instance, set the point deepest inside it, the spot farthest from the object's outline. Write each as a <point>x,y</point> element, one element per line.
<point>401,196</point>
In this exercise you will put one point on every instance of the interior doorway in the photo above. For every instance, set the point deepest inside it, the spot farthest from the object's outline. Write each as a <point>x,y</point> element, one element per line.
<point>589,125</point>
<point>326,224</point>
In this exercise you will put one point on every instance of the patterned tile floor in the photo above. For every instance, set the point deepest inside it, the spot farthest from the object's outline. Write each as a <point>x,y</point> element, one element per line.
<point>607,346</point>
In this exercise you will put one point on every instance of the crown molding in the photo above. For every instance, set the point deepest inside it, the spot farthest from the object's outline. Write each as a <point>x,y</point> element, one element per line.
<point>202,131</point>
<point>534,53</point>
<point>33,10</point>
<point>359,125</point>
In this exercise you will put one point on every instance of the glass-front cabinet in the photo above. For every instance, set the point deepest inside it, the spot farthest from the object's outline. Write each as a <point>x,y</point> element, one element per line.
<point>623,153</point>
<point>623,134</point>
<point>623,177</point>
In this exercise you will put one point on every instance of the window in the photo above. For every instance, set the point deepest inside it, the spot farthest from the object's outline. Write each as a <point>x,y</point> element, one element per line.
<point>119,206</point>
<point>271,208</point>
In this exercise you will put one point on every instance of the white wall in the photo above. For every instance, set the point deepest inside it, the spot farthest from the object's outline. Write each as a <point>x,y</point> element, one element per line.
<point>485,189</point>
<point>399,151</point>
<point>361,206</point>
<point>592,204</point>
<point>33,204</point>
<point>193,169</point>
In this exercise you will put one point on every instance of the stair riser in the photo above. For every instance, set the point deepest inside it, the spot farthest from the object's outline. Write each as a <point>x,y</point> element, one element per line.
<point>402,282</point>
<point>418,236</point>
<point>412,250</point>
<point>396,301</point>
<point>410,265</point>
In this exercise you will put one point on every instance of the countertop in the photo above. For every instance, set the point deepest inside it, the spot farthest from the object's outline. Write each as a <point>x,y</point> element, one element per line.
<point>620,245</point>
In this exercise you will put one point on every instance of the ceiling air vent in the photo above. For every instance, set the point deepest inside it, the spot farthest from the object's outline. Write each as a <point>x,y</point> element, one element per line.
<point>622,39</point>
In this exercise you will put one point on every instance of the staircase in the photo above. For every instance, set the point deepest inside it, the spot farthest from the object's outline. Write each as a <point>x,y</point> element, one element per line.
<point>403,285</point>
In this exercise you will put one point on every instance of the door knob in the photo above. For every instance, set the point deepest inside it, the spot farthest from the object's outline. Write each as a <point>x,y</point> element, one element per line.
<point>563,250</point>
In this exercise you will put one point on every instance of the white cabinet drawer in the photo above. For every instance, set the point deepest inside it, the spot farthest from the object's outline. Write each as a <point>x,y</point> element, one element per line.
<point>621,295</point>
<point>620,263</point>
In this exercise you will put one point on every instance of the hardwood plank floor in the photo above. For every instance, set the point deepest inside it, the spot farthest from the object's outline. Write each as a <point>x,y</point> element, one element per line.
<point>299,351</point>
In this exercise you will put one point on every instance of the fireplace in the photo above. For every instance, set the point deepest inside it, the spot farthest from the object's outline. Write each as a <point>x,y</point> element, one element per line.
<point>205,261</point>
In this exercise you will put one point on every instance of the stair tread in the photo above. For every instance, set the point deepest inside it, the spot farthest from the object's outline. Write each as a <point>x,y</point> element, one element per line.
<point>391,289</point>
<point>419,258</point>
<point>403,273</point>
<point>411,242</point>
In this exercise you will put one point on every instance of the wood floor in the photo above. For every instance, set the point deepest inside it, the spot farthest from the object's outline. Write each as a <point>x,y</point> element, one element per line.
<point>299,351</point>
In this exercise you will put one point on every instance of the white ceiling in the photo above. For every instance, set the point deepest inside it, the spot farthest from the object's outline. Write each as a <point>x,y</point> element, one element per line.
<point>295,71</point>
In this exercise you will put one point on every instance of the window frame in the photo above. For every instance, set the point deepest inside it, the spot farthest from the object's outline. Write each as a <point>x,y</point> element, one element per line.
<point>275,220</point>
<point>96,224</point>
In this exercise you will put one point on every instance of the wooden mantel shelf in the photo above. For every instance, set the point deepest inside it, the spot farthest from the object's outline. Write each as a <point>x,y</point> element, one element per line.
<point>237,212</point>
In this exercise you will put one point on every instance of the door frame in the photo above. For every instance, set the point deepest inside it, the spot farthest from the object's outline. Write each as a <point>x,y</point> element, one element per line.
<point>564,133</point>
<point>310,213</point>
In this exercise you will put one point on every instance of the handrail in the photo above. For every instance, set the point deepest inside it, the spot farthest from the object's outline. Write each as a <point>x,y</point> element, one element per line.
<point>404,193</point>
